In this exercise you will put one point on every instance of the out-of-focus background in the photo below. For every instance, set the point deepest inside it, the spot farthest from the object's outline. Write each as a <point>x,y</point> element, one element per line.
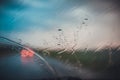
<point>84,33</point>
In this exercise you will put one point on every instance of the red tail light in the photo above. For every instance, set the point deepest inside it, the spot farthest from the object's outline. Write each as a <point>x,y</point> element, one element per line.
<point>27,53</point>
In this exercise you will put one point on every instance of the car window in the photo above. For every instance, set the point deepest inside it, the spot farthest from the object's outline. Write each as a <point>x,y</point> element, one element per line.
<point>60,38</point>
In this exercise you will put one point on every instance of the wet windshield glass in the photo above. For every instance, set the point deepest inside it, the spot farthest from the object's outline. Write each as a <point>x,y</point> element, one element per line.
<point>51,38</point>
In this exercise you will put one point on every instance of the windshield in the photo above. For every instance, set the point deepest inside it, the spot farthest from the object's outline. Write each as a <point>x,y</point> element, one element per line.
<point>61,37</point>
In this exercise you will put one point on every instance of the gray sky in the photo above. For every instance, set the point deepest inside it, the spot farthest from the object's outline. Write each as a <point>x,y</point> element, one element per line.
<point>37,22</point>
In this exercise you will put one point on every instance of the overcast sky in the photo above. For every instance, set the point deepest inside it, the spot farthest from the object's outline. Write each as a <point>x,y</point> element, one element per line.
<point>87,23</point>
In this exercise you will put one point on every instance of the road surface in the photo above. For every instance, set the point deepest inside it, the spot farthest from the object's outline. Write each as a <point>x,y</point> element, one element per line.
<point>16,67</point>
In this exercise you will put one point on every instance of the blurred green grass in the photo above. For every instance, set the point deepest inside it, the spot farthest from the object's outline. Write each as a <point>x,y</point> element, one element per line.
<point>95,60</point>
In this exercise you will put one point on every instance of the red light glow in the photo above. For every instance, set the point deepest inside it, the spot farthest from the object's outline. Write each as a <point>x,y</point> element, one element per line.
<point>27,53</point>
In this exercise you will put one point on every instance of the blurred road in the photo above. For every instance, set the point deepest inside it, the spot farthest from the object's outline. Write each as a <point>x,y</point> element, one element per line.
<point>16,67</point>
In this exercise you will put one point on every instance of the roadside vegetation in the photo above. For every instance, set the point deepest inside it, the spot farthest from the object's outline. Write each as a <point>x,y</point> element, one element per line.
<point>95,60</point>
